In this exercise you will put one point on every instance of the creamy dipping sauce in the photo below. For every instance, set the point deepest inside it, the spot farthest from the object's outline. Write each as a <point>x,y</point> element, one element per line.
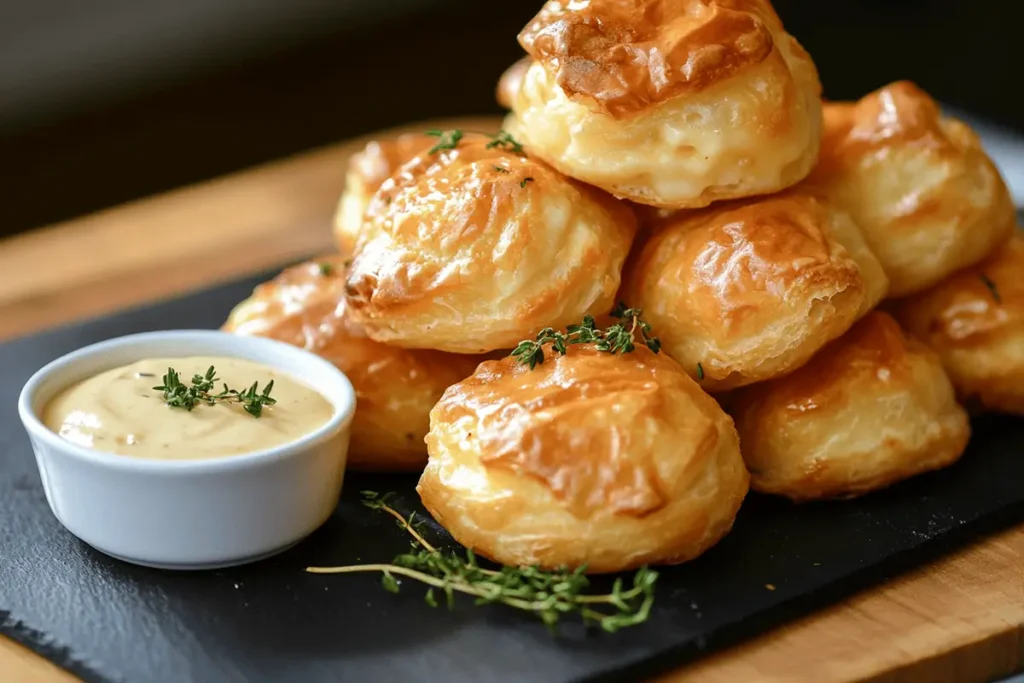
<point>118,411</point>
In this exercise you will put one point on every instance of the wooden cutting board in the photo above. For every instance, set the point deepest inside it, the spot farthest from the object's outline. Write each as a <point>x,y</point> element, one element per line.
<point>957,620</point>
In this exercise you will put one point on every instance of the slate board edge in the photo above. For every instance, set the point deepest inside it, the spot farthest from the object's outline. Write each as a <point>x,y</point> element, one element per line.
<point>11,626</point>
<point>793,609</point>
<point>43,645</point>
<point>645,667</point>
<point>64,657</point>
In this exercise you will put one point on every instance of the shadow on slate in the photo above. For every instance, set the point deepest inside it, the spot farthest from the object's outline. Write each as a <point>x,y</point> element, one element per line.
<point>108,621</point>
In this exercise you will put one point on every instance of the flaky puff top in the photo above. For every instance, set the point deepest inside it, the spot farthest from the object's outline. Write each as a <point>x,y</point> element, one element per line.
<point>303,306</point>
<point>626,55</point>
<point>975,321</point>
<point>477,247</point>
<point>613,461</point>
<point>395,388</point>
<point>870,409</point>
<point>927,196</point>
<point>367,170</point>
<point>743,292</point>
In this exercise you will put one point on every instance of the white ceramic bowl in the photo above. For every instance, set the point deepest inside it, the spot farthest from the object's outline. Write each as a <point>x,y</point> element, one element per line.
<point>194,514</point>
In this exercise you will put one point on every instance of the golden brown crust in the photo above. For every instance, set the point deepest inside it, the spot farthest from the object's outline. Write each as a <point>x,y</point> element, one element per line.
<point>751,290</point>
<point>927,197</point>
<point>871,409</point>
<point>974,320</point>
<point>627,55</point>
<point>671,103</point>
<point>612,461</point>
<point>475,248</point>
<point>367,170</point>
<point>511,79</point>
<point>395,388</point>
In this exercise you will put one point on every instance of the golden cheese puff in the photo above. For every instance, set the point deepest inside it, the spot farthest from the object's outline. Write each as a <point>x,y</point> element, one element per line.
<point>871,409</point>
<point>672,103</point>
<point>742,292</point>
<point>366,171</point>
<point>395,388</point>
<point>508,84</point>
<point>608,461</point>
<point>478,246</point>
<point>975,321</point>
<point>926,196</point>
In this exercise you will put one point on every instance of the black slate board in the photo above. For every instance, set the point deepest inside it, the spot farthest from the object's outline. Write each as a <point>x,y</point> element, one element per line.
<point>108,621</point>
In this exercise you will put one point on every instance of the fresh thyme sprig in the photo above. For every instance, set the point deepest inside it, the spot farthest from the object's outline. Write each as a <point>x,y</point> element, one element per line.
<point>618,338</point>
<point>449,139</point>
<point>548,594</point>
<point>252,399</point>
<point>506,141</point>
<point>176,394</point>
<point>179,395</point>
<point>987,281</point>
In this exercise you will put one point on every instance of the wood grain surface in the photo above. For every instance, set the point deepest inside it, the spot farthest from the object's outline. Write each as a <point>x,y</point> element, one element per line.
<point>959,620</point>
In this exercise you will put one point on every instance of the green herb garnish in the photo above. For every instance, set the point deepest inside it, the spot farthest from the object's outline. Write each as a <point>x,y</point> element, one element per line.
<point>618,338</point>
<point>179,395</point>
<point>325,268</point>
<point>987,281</point>
<point>700,371</point>
<point>501,169</point>
<point>506,141</point>
<point>252,399</point>
<point>547,594</point>
<point>525,180</point>
<point>449,139</point>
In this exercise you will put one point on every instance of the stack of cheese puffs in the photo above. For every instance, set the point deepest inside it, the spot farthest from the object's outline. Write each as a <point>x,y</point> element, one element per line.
<point>830,284</point>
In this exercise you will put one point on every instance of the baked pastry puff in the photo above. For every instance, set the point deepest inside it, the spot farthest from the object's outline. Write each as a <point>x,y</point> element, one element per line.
<point>742,292</point>
<point>511,79</point>
<point>608,461</point>
<point>672,103</point>
<point>871,409</point>
<point>476,246</point>
<point>974,320</point>
<point>919,185</point>
<point>395,388</point>
<point>366,171</point>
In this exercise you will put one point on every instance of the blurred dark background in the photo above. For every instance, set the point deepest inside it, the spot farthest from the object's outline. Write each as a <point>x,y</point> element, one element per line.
<point>103,101</point>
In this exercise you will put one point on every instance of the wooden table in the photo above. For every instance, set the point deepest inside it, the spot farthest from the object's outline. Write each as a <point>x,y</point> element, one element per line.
<point>957,620</point>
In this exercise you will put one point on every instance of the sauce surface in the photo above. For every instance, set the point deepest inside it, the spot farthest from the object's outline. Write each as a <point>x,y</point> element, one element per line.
<point>119,411</point>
